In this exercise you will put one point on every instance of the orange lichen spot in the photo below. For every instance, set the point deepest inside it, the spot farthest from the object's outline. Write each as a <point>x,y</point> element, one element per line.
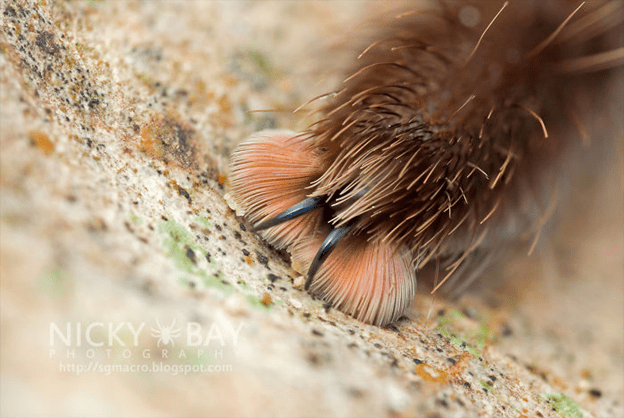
<point>431,374</point>
<point>249,260</point>
<point>266,299</point>
<point>200,95</point>
<point>169,138</point>
<point>41,141</point>
<point>222,179</point>
<point>559,383</point>
<point>149,144</point>
<point>460,364</point>
<point>230,81</point>
<point>225,108</point>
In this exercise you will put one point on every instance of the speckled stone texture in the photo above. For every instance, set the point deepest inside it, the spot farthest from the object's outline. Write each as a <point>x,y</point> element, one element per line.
<point>130,288</point>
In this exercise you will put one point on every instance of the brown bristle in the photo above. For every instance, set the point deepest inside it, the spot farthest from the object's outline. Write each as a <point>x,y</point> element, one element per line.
<point>443,140</point>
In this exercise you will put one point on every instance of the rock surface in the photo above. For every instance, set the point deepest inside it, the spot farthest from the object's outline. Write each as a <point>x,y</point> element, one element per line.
<point>130,288</point>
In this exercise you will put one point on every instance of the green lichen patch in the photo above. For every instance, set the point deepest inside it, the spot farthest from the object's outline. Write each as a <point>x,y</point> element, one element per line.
<point>190,258</point>
<point>258,303</point>
<point>177,241</point>
<point>485,385</point>
<point>134,218</point>
<point>218,283</point>
<point>461,342</point>
<point>203,222</point>
<point>564,406</point>
<point>474,337</point>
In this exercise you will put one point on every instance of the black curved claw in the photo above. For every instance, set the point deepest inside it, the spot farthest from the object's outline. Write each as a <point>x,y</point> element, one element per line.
<point>292,212</point>
<point>327,247</point>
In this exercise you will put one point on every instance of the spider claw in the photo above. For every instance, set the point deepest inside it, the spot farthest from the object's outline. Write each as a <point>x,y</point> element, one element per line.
<point>292,212</point>
<point>334,237</point>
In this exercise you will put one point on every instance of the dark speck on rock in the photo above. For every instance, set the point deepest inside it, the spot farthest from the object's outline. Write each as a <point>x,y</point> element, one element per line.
<point>451,360</point>
<point>417,361</point>
<point>313,359</point>
<point>506,330</point>
<point>184,193</point>
<point>45,42</point>
<point>245,252</point>
<point>317,333</point>
<point>242,227</point>
<point>595,393</point>
<point>273,278</point>
<point>219,228</point>
<point>190,254</point>
<point>208,257</point>
<point>262,259</point>
<point>442,402</point>
<point>470,313</point>
<point>148,288</point>
<point>356,393</point>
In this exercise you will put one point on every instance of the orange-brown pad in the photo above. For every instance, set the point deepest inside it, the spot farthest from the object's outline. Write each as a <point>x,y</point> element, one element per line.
<point>371,281</point>
<point>270,172</point>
